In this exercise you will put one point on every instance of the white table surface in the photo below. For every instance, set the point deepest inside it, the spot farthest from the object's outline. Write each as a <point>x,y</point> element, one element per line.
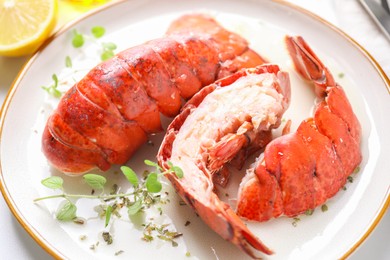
<point>348,15</point>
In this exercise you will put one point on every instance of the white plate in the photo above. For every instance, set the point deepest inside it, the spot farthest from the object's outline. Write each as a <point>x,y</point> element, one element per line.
<point>352,214</point>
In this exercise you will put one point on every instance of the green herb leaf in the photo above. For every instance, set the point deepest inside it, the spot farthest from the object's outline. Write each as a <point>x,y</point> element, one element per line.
<point>53,182</point>
<point>178,171</point>
<point>68,62</point>
<point>107,54</point>
<point>108,215</point>
<point>95,181</point>
<point>98,31</point>
<point>67,212</point>
<point>134,208</point>
<point>152,184</point>
<point>78,39</point>
<point>150,163</point>
<point>131,176</point>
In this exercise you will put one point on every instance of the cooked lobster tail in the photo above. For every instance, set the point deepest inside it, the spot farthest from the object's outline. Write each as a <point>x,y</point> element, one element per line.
<point>301,170</point>
<point>213,127</point>
<point>106,117</point>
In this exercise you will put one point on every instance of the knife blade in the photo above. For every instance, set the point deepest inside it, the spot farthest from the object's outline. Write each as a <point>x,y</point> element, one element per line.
<point>385,5</point>
<point>379,15</point>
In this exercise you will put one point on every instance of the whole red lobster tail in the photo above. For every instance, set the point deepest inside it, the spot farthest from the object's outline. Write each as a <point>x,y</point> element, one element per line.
<point>106,117</point>
<point>301,170</point>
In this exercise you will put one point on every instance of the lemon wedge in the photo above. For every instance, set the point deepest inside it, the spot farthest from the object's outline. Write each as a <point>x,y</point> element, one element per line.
<point>25,25</point>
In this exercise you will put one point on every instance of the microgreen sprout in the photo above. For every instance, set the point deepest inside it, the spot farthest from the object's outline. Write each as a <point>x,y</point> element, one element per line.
<point>98,31</point>
<point>107,48</point>
<point>78,41</point>
<point>52,89</point>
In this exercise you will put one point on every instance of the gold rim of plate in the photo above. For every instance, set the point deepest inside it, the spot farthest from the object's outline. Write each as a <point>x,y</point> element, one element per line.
<point>58,255</point>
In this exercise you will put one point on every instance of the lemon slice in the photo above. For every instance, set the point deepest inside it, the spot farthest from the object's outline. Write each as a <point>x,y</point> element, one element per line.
<point>25,24</point>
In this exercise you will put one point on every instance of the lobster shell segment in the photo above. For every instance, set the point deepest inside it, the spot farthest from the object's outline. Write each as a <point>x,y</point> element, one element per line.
<point>215,125</point>
<point>301,170</point>
<point>107,115</point>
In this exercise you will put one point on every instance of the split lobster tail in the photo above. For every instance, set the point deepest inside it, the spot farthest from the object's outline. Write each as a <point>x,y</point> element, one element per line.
<point>303,169</point>
<point>235,114</point>
<point>105,117</point>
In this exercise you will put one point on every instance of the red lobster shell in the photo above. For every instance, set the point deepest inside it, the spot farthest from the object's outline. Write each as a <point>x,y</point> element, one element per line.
<point>301,170</point>
<point>106,117</point>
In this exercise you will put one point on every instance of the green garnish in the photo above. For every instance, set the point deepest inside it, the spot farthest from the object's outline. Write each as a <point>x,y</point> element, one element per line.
<point>130,175</point>
<point>108,215</point>
<point>295,221</point>
<point>309,212</point>
<point>152,183</point>
<point>68,62</point>
<point>324,208</point>
<point>78,39</point>
<point>98,31</point>
<point>52,89</point>
<point>95,181</point>
<point>108,50</point>
<point>160,231</point>
<point>119,252</point>
<point>143,195</point>
<point>53,182</point>
<point>107,238</point>
<point>66,212</point>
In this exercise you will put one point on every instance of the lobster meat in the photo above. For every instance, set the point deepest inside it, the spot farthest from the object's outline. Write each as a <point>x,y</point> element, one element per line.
<point>105,117</point>
<point>301,170</point>
<point>235,113</point>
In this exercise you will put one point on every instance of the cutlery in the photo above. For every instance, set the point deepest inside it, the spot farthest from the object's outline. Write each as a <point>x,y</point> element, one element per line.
<point>380,15</point>
<point>385,4</point>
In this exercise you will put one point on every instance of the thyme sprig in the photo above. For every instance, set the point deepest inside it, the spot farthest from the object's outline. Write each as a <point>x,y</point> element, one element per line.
<point>143,195</point>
